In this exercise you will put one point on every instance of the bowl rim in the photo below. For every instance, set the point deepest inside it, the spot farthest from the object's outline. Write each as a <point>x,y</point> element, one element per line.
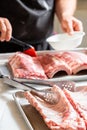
<point>49,39</point>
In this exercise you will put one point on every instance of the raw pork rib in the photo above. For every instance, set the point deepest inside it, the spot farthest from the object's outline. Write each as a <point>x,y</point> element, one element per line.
<point>76,60</point>
<point>25,66</point>
<point>70,62</point>
<point>47,65</point>
<point>61,116</point>
<point>53,64</point>
<point>79,102</point>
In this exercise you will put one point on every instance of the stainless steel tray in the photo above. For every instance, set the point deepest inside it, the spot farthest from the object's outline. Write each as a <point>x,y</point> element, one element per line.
<point>31,116</point>
<point>80,77</point>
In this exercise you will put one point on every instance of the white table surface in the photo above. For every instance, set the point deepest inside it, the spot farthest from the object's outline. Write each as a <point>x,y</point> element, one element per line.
<point>10,116</point>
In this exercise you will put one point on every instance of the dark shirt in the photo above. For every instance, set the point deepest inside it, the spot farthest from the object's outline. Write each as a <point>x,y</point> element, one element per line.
<point>32,20</point>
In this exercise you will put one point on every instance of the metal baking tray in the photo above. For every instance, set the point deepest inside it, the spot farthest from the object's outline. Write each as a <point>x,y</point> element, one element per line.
<point>31,116</point>
<point>79,77</point>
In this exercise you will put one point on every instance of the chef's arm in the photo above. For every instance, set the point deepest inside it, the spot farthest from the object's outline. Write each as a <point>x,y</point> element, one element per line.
<point>65,8</point>
<point>65,12</point>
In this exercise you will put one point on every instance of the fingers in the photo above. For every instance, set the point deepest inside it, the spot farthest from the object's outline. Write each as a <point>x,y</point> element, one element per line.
<point>5,29</point>
<point>67,27</point>
<point>71,24</point>
<point>77,25</point>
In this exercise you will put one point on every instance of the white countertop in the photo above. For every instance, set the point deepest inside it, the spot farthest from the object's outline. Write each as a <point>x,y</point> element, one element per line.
<point>10,116</point>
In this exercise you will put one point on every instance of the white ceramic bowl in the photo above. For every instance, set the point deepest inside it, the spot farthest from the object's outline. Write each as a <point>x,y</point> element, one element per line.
<point>66,42</point>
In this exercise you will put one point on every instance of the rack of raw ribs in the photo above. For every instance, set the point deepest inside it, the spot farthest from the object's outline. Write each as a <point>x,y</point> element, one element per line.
<point>45,66</point>
<point>70,113</point>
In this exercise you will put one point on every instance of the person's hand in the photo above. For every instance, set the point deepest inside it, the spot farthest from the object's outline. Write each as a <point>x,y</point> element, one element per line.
<point>70,24</point>
<point>5,29</point>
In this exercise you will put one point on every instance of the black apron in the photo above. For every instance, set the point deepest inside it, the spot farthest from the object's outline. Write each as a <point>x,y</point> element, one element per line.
<point>32,22</point>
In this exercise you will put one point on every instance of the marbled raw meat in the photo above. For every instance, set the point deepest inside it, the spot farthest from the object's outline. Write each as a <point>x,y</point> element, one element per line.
<point>53,64</point>
<point>79,102</point>
<point>25,66</point>
<point>47,65</point>
<point>76,60</point>
<point>60,116</point>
